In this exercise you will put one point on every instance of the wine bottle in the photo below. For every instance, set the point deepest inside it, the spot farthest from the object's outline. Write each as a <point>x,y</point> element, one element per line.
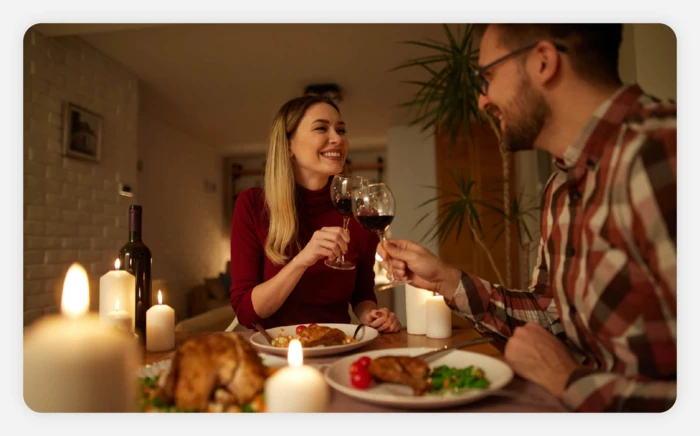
<point>135,257</point>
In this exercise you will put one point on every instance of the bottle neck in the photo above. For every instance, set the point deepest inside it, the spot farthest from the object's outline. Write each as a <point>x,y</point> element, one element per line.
<point>134,225</point>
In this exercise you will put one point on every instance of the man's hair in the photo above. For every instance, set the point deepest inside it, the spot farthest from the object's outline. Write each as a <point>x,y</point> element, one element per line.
<point>592,48</point>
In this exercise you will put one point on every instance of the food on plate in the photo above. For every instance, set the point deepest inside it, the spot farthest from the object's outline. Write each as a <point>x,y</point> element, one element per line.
<point>214,373</point>
<point>321,335</point>
<point>405,370</point>
<point>415,373</point>
<point>449,378</point>
<point>360,376</point>
<point>314,335</point>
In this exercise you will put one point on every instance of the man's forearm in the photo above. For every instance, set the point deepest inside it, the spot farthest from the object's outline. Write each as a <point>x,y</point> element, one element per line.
<point>500,309</point>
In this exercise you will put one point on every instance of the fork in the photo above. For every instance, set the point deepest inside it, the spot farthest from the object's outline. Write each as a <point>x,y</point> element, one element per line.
<point>263,332</point>
<point>357,330</point>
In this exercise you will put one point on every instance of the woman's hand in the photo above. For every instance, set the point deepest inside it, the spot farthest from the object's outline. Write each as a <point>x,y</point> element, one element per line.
<point>327,242</point>
<point>382,320</point>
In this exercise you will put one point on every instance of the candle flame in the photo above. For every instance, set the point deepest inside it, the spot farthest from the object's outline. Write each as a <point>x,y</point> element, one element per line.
<point>295,357</point>
<point>117,264</point>
<point>76,292</point>
<point>117,308</point>
<point>378,257</point>
<point>160,297</point>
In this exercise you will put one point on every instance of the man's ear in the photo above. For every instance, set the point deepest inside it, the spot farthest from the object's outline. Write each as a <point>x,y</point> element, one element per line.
<point>547,62</point>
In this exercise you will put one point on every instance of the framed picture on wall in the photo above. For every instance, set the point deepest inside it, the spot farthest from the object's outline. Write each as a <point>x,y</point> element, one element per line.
<point>82,133</point>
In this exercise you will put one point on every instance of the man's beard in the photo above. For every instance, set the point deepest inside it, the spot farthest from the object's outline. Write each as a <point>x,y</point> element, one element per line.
<point>524,118</point>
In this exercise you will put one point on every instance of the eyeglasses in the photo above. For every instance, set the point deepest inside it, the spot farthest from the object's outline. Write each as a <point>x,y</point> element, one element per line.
<point>477,74</point>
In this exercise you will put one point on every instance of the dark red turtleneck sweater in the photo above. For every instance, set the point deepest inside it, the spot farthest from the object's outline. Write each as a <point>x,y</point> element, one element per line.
<point>323,293</point>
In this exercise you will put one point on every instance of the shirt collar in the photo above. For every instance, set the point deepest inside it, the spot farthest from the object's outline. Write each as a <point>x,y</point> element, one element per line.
<point>588,148</point>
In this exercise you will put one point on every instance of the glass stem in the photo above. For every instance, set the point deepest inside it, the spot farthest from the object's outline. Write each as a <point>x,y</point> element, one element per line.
<point>388,259</point>
<point>346,220</point>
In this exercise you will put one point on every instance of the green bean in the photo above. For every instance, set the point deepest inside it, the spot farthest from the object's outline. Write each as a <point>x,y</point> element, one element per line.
<point>465,378</point>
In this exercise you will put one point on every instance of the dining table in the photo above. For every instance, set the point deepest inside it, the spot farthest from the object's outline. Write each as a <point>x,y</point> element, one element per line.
<point>518,396</point>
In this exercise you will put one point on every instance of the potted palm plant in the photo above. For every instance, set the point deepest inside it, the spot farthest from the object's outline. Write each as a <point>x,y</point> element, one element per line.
<point>446,101</point>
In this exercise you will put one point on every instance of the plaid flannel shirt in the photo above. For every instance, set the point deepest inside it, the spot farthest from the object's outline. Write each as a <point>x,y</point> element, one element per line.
<point>605,279</point>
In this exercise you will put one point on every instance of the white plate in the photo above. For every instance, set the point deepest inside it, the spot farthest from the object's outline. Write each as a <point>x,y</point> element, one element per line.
<point>390,394</point>
<point>164,365</point>
<point>367,335</point>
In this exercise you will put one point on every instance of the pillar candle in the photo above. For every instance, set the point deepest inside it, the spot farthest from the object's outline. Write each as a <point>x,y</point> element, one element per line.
<point>160,326</point>
<point>120,319</point>
<point>117,285</point>
<point>296,387</point>
<point>74,363</point>
<point>438,318</point>
<point>415,309</point>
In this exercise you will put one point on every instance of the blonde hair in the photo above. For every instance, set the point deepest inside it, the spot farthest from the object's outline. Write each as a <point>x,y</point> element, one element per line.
<point>279,184</point>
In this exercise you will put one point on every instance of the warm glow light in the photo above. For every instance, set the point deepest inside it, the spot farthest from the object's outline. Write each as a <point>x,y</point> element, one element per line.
<point>117,308</point>
<point>160,297</point>
<point>116,264</point>
<point>295,357</point>
<point>378,257</point>
<point>76,292</point>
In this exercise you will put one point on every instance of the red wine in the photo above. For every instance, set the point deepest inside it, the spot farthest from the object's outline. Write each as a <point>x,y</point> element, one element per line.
<point>375,223</point>
<point>344,206</point>
<point>135,257</point>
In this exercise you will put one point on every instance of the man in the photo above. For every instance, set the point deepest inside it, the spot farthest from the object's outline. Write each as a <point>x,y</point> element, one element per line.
<point>597,328</point>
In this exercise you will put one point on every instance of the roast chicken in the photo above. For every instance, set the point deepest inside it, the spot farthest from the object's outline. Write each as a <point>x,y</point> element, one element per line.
<point>321,335</point>
<point>222,369</point>
<point>405,370</point>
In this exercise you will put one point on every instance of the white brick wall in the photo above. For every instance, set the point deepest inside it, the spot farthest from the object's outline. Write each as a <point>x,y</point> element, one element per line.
<point>72,210</point>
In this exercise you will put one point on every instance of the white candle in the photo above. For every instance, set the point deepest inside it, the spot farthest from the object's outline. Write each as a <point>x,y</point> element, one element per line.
<point>297,387</point>
<point>415,309</point>
<point>120,319</point>
<point>74,363</point>
<point>117,285</point>
<point>438,318</point>
<point>160,327</point>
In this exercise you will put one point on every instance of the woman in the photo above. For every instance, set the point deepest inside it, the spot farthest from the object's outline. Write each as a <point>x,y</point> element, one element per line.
<point>281,236</point>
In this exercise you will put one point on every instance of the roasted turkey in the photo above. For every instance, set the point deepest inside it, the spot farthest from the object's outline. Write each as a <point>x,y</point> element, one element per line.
<point>222,368</point>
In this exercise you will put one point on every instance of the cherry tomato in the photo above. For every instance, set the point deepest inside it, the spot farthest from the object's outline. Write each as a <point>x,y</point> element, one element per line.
<point>361,380</point>
<point>300,328</point>
<point>355,367</point>
<point>312,324</point>
<point>364,361</point>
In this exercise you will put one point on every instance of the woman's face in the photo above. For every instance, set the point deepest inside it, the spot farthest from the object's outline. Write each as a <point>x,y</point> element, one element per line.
<point>319,146</point>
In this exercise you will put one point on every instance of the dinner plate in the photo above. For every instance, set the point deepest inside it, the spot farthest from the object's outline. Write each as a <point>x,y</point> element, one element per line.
<point>395,395</point>
<point>366,335</point>
<point>163,366</point>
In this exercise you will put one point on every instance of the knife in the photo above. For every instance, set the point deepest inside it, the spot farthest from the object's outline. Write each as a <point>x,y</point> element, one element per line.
<point>437,351</point>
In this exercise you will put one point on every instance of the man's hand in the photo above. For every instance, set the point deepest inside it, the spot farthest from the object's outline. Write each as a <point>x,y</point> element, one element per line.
<point>407,259</point>
<point>537,355</point>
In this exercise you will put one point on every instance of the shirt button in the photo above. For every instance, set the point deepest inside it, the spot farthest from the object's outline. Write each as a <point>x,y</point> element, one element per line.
<point>570,251</point>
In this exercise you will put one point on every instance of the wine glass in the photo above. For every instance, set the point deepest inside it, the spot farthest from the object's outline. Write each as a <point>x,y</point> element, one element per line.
<point>341,190</point>
<point>374,207</point>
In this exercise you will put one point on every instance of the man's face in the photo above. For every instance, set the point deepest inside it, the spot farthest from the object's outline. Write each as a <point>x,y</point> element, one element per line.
<point>511,96</point>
